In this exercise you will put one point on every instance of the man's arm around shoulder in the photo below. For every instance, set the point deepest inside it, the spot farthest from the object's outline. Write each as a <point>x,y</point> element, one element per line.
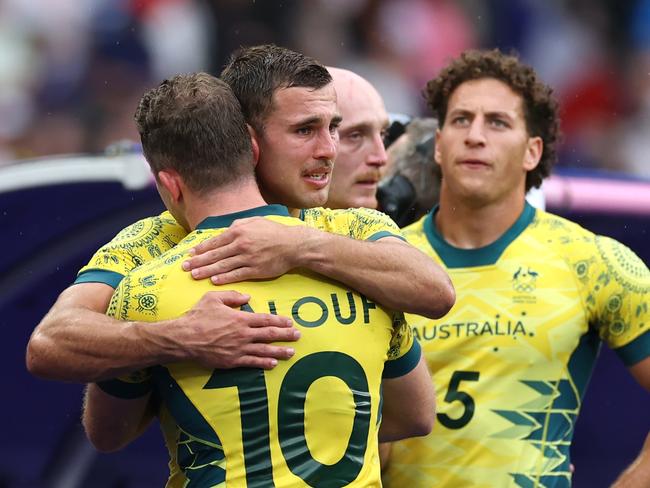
<point>389,271</point>
<point>76,341</point>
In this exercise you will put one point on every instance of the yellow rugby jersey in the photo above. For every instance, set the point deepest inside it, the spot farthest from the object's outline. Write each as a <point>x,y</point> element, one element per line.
<point>311,420</point>
<point>512,359</point>
<point>150,237</point>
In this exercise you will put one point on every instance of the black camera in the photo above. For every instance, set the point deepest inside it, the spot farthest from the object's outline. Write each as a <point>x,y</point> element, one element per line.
<point>410,187</point>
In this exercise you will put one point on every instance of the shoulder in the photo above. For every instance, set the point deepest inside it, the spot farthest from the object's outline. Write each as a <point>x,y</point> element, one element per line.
<point>603,257</point>
<point>359,223</point>
<point>556,225</point>
<point>561,235</point>
<point>320,213</point>
<point>415,229</point>
<point>285,220</point>
<point>139,294</point>
<point>623,265</point>
<point>148,230</point>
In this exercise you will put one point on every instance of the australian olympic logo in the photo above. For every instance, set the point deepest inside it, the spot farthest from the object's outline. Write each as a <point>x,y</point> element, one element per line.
<point>524,280</point>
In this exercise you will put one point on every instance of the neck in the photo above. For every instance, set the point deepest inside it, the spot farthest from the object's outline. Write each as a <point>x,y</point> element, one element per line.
<point>223,201</point>
<point>472,225</point>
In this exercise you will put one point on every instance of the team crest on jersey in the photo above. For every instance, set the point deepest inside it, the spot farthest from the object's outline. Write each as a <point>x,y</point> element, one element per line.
<point>524,282</point>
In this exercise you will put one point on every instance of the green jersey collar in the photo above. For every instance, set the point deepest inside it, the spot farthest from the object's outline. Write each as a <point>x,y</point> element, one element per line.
<point>226,220</point>
<point>454,257</point>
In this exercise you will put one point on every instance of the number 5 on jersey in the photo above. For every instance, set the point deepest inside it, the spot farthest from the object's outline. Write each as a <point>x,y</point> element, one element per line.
<point>455,394</point>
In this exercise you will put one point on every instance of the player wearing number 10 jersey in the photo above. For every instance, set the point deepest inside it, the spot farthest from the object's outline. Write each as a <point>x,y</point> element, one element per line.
<point>312,419</point>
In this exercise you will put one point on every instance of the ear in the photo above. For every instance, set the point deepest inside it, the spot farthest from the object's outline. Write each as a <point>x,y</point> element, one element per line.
<point>172,182</point>
<point>436,150</point>
<point>533,153</point>
<point>255,144</point>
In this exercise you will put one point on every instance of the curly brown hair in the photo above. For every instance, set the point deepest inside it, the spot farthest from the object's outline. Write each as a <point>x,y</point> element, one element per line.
<point>540,106</point>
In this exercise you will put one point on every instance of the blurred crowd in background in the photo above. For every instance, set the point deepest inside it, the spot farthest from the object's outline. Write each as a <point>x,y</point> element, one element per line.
<point>72,71</point>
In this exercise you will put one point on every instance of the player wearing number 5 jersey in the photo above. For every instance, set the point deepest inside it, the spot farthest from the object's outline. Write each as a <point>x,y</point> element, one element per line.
<point>537,293</point>
<point>314,420</point>
<point>511,361</point>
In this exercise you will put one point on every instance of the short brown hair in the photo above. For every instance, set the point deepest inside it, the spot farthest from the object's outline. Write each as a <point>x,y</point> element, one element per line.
<point>256,73</point>
<point>540,106</point>
<point>193,124</point>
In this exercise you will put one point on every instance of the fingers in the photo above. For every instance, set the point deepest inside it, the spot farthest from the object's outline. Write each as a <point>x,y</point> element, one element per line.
<point>212,243</point>
<point>210,257</point>
<point>256,321</point>
<point>263,356</point>
<point>230,298</point>
<point>262,323</point>
<point>270,351</point>
<point>237,275</point>
<point>257,355</point>
<point>212,268</point>
<point>256,362</point>
<point>274,333</point>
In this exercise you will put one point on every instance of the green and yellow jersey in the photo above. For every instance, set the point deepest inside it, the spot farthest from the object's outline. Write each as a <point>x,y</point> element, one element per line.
<point>512,359</point>
<point>150,237</point>
<point>312,420</point>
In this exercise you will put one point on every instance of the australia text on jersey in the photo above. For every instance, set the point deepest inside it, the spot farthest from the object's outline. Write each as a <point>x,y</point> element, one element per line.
<point>488,327</point>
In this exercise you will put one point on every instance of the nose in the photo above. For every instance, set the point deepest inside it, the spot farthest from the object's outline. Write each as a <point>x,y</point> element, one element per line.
<point>327,145</point>
<point>475,133</point>
<point>377,157</point>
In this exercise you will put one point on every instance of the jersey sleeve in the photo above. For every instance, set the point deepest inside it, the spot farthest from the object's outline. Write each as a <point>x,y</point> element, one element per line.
<point>131,247</point>
<point>618,299</point>
<point>404,350</point>
<point>129,387</point>
<point>138,383</point>
<point>358,223</point>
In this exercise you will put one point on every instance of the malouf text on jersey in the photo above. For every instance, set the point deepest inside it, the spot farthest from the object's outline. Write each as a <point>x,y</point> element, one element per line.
<point>320,309</point>
<point>469,329</point>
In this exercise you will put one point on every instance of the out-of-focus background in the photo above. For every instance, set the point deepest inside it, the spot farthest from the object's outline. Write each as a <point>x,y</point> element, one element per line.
<point>72,71</point>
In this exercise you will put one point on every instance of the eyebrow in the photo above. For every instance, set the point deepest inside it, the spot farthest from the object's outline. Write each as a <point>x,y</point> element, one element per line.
<point>316,119</point>
<point>491,113</point>
<point>367,126</point>
<point>361,126</point>
<point>498,113</point>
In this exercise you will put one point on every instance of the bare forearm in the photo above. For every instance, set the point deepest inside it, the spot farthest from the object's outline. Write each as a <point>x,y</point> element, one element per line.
<point>409,405</point>
<point>112,423</point>
<point>75,341</point>
<point>388,271</point>
<point>85,346</point>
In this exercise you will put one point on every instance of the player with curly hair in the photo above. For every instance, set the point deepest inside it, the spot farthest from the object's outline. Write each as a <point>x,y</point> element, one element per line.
<point>537,294</point>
